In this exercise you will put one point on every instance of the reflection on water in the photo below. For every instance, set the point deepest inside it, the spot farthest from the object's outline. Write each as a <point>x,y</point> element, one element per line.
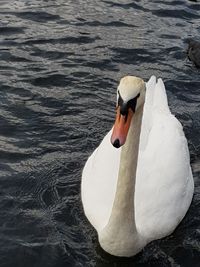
<point>60,63</point>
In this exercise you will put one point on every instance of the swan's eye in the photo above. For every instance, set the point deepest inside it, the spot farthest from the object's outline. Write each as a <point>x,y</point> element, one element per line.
<point>120,100</point>
<point>133,102</point>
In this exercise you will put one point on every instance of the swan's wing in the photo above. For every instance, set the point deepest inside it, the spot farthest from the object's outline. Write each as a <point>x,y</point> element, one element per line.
<point>156,99</point>
<point>164,184</point>
<point>147,112</point>
<point>99,181</point>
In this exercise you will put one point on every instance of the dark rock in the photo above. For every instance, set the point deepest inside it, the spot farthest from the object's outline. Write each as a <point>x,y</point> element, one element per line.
<point>193,52</point>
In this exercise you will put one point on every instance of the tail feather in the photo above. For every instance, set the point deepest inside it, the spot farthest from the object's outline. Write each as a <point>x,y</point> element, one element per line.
<point>150,90</point>
<point>160,97</point>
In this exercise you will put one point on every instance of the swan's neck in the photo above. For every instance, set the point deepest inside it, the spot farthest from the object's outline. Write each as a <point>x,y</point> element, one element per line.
<point>120,235</point>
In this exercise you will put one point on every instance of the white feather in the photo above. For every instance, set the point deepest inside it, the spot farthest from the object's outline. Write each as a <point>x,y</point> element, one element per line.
<point>164,183</point>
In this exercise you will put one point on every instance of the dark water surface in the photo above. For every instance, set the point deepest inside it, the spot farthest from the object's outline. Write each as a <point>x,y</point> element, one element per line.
<point>60,62</point>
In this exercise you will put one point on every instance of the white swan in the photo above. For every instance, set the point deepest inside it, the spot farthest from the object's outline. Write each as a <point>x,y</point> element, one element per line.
<point>140,192</point>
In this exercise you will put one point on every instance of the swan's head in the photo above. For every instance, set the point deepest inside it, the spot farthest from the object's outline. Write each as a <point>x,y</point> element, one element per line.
<point>130,96</point>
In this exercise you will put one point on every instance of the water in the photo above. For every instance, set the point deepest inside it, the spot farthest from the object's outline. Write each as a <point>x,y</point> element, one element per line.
<point>60,63</point>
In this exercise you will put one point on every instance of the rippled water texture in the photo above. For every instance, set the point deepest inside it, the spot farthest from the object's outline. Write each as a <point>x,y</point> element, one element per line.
<point>60,63</point>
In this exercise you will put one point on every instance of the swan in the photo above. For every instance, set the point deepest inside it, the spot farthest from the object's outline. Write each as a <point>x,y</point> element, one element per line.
<point>141,191</point>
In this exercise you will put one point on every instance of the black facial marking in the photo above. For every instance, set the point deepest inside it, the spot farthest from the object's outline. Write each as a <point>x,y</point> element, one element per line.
<point>124,106</point>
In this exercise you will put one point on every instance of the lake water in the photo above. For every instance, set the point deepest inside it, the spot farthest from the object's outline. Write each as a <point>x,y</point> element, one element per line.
<point>60,63</point>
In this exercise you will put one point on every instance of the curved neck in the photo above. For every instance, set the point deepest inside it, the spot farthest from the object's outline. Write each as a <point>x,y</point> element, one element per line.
<point>123,205</point>
<point>121,225</point>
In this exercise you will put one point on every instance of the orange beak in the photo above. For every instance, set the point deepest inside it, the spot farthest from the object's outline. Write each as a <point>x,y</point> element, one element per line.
<point>121,127</point>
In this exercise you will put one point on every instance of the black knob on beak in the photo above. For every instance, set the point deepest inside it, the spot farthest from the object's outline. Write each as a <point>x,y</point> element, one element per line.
<point>116,143</point>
